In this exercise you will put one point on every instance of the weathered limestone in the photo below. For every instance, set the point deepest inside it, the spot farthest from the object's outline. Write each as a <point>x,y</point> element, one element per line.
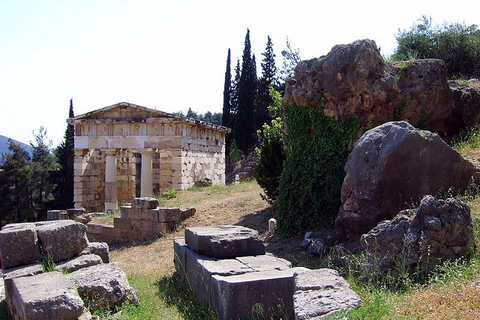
<point>391,166</point>
<point>140,221</point>
<point>321,292</point>
<point>268,293</point>
<point>79,262</point>
<point>170,151</point>
<point>101,249</point>
<point>251,287</point>
<point>57,215</point>
<point>224,241</point>
<point>45,296</point>
<point>19,245</point>
<point>104,285</point>
<point>61,239</point>
<point>34,293</point>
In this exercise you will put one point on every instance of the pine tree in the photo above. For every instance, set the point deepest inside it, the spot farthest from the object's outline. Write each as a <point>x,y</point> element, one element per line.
<point>63,177</point>
<point>227,105</point>
<point>291,57</point>
<point>244,129</point>
<point>268,79</point>
<point>15,176</point>
<point>43,165</point>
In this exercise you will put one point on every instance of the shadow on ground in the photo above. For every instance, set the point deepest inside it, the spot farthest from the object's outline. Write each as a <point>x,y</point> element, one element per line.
<point>175,292</point>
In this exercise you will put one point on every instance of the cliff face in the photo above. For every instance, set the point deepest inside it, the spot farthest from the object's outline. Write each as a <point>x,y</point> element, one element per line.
<point>353,81</point>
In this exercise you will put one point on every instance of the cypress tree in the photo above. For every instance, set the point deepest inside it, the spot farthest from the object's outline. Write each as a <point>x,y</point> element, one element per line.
<point>63,177</point>
<point>244,129</point>
<point>268,79</point>
<point>227,103</point>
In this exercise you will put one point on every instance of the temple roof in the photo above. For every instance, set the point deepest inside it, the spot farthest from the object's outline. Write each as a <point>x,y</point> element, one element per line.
<point>129,112</point>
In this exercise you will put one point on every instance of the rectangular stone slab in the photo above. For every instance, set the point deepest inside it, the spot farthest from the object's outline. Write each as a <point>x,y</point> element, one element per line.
<point>45,296</point>
<point>199,270</point>
<point>241,296</point>
<point>19,245</point>
<point>226,241</point>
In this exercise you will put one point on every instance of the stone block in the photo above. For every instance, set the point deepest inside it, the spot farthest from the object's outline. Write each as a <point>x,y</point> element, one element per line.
<point>74,212</point>
<point>152,214</point>
<point>265,262</point>
<point>147,226</point>
<point>82,261</point>
<point>135,213</point>
<point>45,296</point>
<point>54,214</point>
<point>179,256</point>
<point>321,292</point>
<point>121,223</point>
<point>226,241</point>
<point>266,294</point>
<point>101,249</point>
<point>159,228</point>
<point>19,245</point>
<point>93,228</point>
<point>62,239</point>
<point>136,225</point>
<point>200,269</point>
<point>145,203</point>
<point>104,285</point>
<point>162,214</point>
<point>173,214</point>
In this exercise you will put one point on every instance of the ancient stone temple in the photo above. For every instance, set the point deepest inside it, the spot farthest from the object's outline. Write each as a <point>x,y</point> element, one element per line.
<point>125,151</point>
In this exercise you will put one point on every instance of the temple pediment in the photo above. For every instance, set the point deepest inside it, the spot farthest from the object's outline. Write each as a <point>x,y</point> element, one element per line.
<point>122,112</point>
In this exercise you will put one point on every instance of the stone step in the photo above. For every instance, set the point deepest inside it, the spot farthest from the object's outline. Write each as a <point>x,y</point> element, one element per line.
<point>227,241</point>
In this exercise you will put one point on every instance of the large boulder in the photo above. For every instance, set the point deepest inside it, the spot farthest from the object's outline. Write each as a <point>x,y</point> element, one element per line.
<point>61,239</point>
<point>321,292</point>
<point>45,296</point>
<point>353,81</point>
<point>421,238</point>
<point>392,167</point>
<point>466,97</point>
<point>105,286</point>
<point>19,245</point>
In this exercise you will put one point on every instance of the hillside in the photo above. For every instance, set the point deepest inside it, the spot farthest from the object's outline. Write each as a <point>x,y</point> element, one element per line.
<point>4,146</point>
<point>150,268</point>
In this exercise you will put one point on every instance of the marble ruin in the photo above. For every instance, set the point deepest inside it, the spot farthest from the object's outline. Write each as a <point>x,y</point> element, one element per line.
<point>125,151</point>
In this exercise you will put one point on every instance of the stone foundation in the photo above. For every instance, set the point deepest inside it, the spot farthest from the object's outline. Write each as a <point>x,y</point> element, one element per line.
<point>140,221</point>
<point>241,286</point>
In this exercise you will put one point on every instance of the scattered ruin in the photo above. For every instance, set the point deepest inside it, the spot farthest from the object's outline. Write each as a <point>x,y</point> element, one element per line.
<point>141,220</point>
<point>227,268</point>
<point>125,151</point>
<point>51,271</point>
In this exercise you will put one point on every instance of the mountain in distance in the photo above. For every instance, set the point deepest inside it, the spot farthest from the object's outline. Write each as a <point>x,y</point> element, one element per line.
<point>4,146</point>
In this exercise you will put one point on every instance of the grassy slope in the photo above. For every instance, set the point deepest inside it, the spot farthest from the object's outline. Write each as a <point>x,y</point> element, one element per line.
<point>453,293</point>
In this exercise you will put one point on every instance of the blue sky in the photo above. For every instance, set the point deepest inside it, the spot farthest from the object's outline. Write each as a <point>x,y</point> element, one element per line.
<point>168,55</point>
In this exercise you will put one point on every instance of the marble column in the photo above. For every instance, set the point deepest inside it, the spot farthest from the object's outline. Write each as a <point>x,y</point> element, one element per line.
<point>111,202</point>
<point>146,179</point>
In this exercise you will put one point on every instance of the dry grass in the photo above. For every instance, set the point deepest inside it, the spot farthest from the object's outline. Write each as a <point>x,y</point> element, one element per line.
<point>150,267</point>
<point>453,301</point>
<point>237,204</point>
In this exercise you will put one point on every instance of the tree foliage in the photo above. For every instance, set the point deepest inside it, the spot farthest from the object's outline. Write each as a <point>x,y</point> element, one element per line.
<point>268,169</point>
<point>244,129</point>
<point>291,57</point>
<point>15,175</point>
<point>457,44</point>
<point>63,176</point>
<point>313,172</point>
<point>227,105</point>
<point>268,79</point>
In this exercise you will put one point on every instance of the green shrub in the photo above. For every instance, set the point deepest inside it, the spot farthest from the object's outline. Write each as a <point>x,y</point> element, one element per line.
<point>170,194</point>
<point>268,169</point>
<point>313,172</point>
